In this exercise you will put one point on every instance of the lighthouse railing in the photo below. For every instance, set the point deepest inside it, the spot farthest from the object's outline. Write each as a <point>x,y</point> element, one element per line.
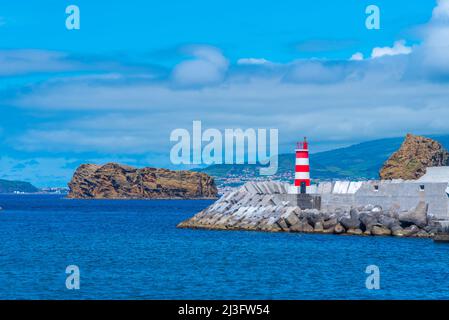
<point>302,145</point>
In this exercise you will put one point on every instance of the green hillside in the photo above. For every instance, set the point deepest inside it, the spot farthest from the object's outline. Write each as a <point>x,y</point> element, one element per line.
<point>7,186</point>
<point>359,161</point>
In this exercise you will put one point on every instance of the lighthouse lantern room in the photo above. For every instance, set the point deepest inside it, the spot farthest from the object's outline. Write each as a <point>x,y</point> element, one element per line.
<point>302,168</point>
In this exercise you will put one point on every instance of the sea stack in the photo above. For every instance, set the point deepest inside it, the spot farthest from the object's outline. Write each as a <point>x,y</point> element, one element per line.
<point>116,181</point>
<point>413,157</point>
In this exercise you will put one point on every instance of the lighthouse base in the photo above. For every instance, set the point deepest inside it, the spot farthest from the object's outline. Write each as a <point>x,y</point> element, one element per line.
<point>304,201</point>
<point>297,190</point>
<point>308,201</point>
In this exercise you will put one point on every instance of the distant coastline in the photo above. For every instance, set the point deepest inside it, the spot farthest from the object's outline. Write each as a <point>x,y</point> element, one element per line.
<point>13,186</point>
<point>22,187</point>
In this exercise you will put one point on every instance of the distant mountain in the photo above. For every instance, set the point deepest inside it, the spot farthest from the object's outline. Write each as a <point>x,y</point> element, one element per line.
<point>7,186</point>
<point>359,161</point>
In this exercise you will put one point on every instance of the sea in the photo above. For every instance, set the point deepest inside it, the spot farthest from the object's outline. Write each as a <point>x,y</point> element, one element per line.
<point>131,249</point>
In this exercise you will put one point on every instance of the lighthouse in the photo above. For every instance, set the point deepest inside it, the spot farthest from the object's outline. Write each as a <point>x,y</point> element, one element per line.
<point>302,167</point>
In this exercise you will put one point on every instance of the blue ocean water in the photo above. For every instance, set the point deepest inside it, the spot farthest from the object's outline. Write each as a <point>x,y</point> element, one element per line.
<point>133,250</point>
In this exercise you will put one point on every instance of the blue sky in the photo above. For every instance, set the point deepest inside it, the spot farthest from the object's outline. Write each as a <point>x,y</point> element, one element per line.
<point>280,31</point>
<point>116,88</point>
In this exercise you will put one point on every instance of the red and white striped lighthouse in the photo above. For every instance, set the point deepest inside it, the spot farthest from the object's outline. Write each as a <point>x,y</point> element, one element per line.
<point>302,167</point>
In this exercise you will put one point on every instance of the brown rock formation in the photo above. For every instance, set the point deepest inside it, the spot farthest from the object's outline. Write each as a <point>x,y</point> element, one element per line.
<point>115,181</point>
<point>413,157</point>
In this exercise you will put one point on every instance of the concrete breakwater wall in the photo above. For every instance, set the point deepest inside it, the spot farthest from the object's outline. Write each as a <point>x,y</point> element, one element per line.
<point>403,195</point>
<point>267,206</point>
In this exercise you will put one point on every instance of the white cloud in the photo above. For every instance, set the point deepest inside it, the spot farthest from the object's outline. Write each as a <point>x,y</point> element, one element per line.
<point>358,56</point>
<point>78,140</point>
<point>315,72</point>
<point>399,47</point>
<point>434,52</point>
<point>428,59</point>
<point>207,68</point>
<point>328,100</point>
<point>143,117</point>
<point>441,11</point>
<point>256,61</point>
<point>17,62</point>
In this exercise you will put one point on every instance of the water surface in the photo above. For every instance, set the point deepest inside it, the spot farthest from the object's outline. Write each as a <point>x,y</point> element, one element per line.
<point>133,250</point>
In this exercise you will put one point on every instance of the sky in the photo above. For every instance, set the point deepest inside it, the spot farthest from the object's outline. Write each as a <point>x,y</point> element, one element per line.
<point>136,70</point>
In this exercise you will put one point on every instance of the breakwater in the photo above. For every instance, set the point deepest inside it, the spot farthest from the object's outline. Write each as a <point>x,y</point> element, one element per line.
<point>267,206</point>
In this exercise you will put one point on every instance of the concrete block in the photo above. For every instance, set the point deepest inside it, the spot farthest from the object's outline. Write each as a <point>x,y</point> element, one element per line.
<point>324,187</point>
<point>354,186</point>
<point>341,187</point>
